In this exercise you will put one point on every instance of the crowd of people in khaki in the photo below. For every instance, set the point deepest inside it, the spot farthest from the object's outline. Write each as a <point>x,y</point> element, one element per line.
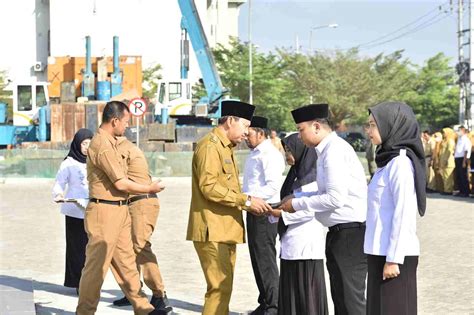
<point>323,209</point>
<point>449,161</point>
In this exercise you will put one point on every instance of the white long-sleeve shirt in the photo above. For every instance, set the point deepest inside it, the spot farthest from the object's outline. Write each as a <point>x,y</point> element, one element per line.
<point>305,236</point>
<point>263,172</point>
<point>392,211</point>
<point>463,145</point>
<point>71,182</point>
<point>342,186</point>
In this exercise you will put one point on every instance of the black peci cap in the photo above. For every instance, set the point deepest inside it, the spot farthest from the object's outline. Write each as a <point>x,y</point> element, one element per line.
<point>310,112</point>
<point>259,122</point>
<point>237,109</point>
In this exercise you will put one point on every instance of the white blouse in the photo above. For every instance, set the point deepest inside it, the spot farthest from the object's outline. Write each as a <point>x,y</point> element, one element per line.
<point>72,174</point>
<point>305,236</point>
<point>263,172</point>
<point>392,211</point>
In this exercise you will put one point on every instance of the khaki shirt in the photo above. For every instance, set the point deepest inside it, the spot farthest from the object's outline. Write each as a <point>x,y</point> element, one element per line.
<point>105,166</point>
<point>277,143</point>
<point>137,165</point>
<point>217,200</point>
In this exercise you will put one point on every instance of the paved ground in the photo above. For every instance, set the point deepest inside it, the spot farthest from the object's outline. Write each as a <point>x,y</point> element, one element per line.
<point>32,246</point>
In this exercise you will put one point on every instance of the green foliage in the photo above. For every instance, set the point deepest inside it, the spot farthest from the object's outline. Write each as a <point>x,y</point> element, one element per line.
<point>267,80</point>
<point>436,95</point>
<point>349,82</point>
<point>151,75</point>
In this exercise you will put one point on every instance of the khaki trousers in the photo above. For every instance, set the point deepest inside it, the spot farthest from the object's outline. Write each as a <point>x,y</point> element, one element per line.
<point>218,264</point>
<point>144,214</point>
<point>110,244</point>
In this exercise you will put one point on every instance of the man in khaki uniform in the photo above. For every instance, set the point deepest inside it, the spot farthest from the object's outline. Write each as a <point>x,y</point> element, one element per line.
<point>215,219</point>
<point>107,221</point>
<point>276,141</point>
<point>144,209</point>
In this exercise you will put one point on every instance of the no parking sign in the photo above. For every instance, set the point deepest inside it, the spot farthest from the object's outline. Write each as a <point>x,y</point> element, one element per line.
<point>137,107</point>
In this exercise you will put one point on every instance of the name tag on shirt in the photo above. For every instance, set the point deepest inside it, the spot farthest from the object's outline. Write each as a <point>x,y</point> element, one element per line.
<point>227,161</point>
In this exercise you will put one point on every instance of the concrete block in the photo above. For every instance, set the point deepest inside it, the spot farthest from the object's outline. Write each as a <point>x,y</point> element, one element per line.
<point>152,146</point>
<point>179,147</point>
<point>131,134</point>
<point>161,132</point>
<point>191,133</point>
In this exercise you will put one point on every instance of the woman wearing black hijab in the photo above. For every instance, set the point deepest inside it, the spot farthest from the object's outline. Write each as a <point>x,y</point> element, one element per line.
<point>302,288</point>
<point>395,194</point>
<point>71,183</point>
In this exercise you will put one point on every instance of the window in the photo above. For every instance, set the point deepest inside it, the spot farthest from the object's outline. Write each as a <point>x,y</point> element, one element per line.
<point>161,96</point>
<point>175,90</point>
<point>25,98</point>
<point>40,96</point>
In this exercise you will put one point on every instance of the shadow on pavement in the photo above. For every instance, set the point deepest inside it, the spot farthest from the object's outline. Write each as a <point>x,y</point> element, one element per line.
<point>15,282</point>
<point>449,197</point>
<point>44,310</point>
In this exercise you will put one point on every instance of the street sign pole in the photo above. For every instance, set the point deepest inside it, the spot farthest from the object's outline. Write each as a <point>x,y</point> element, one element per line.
<point>137,108</point>
<point>138,132</point>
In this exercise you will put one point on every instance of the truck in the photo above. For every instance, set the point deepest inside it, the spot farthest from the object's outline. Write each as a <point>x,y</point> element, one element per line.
<point>175,96</point>
<point>30,114</point>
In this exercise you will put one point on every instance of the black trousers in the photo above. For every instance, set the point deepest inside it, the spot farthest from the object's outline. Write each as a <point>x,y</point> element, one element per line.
<point>76,242</point>
<point>461,177</point>
<point>395,296</point>
<point>347,267</point>
<point>302,288</point>
<point>261,236</point>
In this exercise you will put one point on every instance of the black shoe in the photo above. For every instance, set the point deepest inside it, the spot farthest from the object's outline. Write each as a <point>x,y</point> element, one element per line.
<point>122,302</point>
<point>257,311</point>
<point>461,195</point>
<point>161,304</point>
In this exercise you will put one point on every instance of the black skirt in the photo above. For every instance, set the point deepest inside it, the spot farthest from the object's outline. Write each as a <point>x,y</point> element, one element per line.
<point>395,296</point>
<point>302,288</point>
<point>76,242</point>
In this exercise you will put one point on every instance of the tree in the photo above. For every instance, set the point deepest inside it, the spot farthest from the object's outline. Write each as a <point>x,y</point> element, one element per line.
<point>232,62</point>
<point>151,75</point>
<point>435,97</point>
<point>348,82</point>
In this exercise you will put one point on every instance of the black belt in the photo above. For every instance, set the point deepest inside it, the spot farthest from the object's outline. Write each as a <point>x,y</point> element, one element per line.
<point>343,226</point>
<point>110,202</point>
<point>140,197</point>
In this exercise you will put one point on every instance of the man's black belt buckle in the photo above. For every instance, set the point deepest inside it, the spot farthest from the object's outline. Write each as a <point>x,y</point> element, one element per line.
<point>110,202</point>
<point>343,226</point>
<point>140,197</point>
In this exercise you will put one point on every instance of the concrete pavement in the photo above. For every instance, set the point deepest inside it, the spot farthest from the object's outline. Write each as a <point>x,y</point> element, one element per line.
<point>32,246</point>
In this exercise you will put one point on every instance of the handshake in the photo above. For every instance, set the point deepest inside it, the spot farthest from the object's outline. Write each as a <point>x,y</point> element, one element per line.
<point>260,207</point>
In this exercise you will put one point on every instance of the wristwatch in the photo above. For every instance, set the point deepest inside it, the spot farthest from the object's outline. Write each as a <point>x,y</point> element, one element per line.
<point>248,202</point>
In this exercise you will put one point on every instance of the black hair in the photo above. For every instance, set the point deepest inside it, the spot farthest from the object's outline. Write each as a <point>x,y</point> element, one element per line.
<point>224,119</point>
<point>326,121</point>
<point>264,131</point>
<point>114,109</point>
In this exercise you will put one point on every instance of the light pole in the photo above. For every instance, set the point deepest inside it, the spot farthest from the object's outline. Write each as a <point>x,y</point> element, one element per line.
<point>250,53</point>
<point>333,25</point>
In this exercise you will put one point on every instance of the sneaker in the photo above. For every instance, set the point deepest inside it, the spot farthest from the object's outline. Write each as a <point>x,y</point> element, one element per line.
<point>122,302</point>
<point>161,304</point>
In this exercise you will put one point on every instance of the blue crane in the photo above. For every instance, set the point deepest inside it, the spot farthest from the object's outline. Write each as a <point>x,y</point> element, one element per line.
<point>191,25</point>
